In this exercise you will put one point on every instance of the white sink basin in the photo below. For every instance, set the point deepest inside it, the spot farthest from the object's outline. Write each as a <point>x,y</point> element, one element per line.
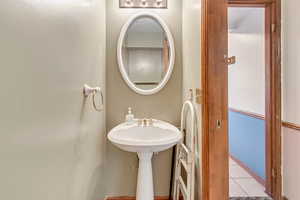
<point>145,140</point>
<point>158,137</point>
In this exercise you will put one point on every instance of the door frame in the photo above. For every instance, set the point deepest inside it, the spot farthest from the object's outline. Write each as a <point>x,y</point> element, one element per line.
<point>214,75</point>
<point>211,12</point>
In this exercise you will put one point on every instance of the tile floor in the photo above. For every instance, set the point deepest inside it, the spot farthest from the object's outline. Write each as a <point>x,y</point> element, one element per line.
<point>242,184</point>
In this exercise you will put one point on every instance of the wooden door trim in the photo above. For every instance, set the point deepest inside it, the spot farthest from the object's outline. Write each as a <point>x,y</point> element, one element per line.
<point>205,132</point>
<point>273,99</point>
<point>290,125</point>
<point>247,113</point>
<point>249,3</point>
<point>210,16</point>
<point>273,104</point>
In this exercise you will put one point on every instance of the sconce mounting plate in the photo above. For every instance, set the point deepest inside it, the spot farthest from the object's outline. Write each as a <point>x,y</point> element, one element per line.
<point>158,4</point>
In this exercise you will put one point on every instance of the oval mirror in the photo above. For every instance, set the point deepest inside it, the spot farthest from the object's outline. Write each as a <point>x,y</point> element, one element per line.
<point>146,53</point>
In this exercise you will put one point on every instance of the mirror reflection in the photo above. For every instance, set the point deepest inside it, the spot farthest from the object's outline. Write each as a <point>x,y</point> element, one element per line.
<point>146,53</point>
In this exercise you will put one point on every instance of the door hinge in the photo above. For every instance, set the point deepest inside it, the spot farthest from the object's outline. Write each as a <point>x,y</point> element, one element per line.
<point>274,173</point>
<point>199,96</point>
<point>273,28</point>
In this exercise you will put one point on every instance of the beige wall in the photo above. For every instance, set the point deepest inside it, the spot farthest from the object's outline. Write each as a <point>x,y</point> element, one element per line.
<point>191,35</point>
<point>291,98</point>
<point>51,140</point>
<point>291,163</point>
<point>121,168</point>
<point>191,23</point>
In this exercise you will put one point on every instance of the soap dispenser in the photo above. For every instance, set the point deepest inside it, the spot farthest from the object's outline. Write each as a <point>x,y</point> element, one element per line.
<point>129,116</point>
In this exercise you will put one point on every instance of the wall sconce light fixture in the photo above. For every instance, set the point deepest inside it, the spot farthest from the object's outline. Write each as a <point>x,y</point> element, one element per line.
<point>144,4</point>
<point>128,3</point>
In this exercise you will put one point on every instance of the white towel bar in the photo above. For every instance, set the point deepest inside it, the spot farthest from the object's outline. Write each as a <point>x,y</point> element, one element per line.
<point>185,157</point>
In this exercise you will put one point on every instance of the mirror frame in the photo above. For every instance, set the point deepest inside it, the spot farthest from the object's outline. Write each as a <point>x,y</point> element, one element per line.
<point>172,54</point>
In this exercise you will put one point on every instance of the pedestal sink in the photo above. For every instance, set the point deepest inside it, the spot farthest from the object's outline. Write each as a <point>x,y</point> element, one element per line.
<point>145,140</point>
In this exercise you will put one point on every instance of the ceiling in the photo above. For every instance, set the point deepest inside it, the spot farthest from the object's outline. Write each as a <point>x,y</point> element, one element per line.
<point>236,16</point>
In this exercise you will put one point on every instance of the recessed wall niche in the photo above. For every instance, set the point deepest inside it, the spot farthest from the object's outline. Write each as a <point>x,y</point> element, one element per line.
<point>159,4</point>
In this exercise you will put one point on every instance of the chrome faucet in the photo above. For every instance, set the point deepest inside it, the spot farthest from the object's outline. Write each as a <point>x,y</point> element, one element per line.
<point>145,122</point>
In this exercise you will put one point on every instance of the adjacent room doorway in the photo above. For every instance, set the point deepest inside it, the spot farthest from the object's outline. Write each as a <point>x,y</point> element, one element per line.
<point>215,61</point>
<point>246,102</point>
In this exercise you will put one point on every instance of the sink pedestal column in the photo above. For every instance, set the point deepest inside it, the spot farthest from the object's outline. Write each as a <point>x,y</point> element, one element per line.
<point>145,178</point>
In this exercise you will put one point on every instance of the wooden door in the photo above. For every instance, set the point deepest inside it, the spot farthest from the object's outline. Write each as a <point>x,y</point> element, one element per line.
<point>215,104</point>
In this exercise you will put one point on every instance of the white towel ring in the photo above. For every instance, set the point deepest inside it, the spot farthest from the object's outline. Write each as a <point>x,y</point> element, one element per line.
<point>87,91</point>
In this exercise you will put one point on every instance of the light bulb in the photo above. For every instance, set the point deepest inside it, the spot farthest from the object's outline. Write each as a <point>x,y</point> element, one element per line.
<point>159,3</point>
<point>128,3</point>
<point>144,3</point>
